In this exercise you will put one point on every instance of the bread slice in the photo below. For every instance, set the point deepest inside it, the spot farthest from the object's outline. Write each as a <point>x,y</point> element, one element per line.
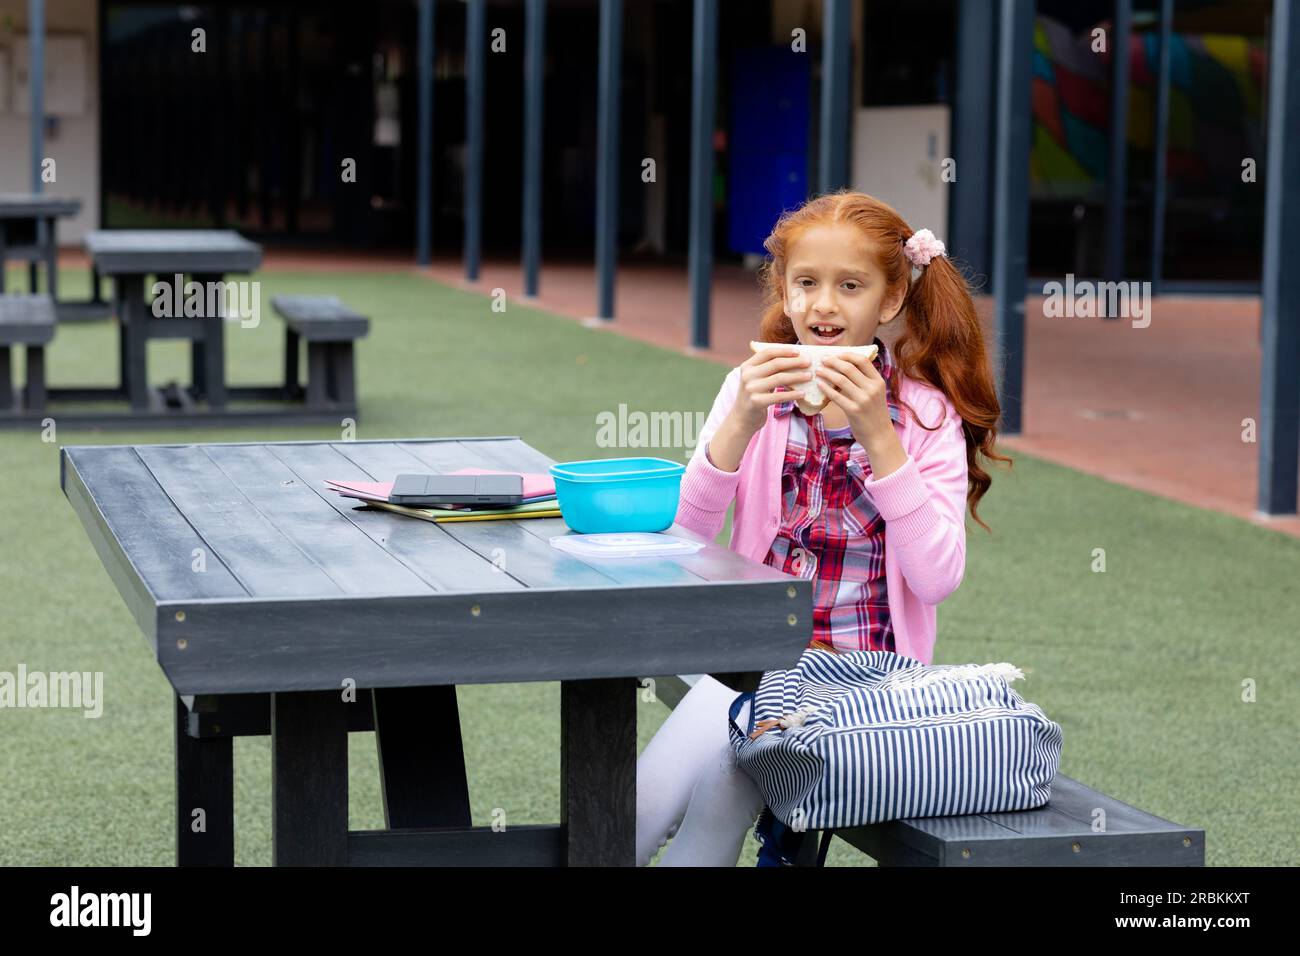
<point>810,399</point>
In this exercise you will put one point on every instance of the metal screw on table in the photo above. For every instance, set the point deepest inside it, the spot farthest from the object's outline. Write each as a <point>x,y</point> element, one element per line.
<point>1075,846</point>
<point>180,615</point>
<point>792,620</point>
<point>475,610</point>
<point>790,591</point>
<point>181,643</point>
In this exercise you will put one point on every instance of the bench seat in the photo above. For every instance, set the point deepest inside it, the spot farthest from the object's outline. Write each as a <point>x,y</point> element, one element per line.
<point>329,327</point>
<point>25,321</point>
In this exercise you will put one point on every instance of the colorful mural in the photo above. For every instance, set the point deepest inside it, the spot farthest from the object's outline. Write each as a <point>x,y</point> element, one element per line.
<point>1223,75</point>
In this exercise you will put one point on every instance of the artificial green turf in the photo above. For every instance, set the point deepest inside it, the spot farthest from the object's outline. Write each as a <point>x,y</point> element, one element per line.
<point>1142,665</point>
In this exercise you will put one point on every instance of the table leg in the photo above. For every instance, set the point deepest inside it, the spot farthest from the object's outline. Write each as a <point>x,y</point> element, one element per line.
<point>317,375</point>
<point>421,760</point>
<point>291,351</point>
<point>34,391</point>
<point>309,779</point>
<point>212,354</point>
<point>4,259</point>
<point>6,379</point>
<point>133,315</point>
<point>342,383</point>
<point>51,248</point>
<point>33,285</point>
<point>198,368</point>
<point>205,797</point>
<point>598,771</point>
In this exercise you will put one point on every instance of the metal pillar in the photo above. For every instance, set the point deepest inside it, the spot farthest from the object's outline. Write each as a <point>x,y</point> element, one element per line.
<point>1117,175</point>
<point>1161,145</point>
<point>1011,210</point>
<point>837,72</point>
<point>704,73</point>
<point>971,211</point>
<point>607,110</point>
<point>424,188</point>
<point>36,84</point>
<point>475,95</point>
<point>1279,404</point>
<point>534,80</point>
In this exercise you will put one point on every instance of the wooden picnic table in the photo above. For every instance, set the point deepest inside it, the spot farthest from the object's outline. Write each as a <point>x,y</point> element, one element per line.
<point>28,232</point>
<point>263,595</point>
<point>206,255</point>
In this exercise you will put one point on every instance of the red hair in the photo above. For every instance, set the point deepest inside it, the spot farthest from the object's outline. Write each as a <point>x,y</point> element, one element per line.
<point>941,344</point>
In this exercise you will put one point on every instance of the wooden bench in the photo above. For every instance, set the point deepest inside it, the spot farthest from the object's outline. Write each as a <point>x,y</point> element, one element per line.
<point>25,320</point>
<point>1059,833</point>
<point>329,327</point>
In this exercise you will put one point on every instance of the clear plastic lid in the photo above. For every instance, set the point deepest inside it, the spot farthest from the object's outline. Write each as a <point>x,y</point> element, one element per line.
<point>624,545</point>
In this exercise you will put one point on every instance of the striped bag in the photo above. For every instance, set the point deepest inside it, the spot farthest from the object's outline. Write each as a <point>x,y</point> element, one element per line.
<point>849,738</point>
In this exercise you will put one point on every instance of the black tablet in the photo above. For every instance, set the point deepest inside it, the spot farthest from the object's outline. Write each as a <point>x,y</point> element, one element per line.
<point>431,490</point>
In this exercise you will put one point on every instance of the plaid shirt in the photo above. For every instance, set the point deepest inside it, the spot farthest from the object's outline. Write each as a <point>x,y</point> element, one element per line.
<point>831,531</point>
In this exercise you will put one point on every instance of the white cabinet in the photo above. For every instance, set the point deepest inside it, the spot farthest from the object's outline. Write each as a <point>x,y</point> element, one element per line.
<point>66,81</point>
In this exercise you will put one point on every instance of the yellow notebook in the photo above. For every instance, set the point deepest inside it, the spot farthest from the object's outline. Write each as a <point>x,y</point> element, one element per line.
<point>535,509</point>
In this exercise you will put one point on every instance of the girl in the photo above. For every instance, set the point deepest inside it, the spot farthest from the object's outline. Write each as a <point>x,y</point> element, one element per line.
<point>866,498</point>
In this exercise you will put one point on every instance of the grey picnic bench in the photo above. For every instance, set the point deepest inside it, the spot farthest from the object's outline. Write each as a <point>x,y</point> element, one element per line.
<point>25,321</point>
<point>27,233</point>
<point>130,257</point>
<point>1059,833</point>
<point>329,327</point>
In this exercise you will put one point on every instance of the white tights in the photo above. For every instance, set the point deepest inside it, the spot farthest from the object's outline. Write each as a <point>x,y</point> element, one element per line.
<point>688,784</point>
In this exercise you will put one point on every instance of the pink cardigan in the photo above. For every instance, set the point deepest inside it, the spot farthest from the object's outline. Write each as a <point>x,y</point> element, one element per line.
<point>923,504</point>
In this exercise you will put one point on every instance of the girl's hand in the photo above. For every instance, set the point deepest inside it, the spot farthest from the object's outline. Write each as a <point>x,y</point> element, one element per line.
<point>760,374</point>
<point>852,383</point>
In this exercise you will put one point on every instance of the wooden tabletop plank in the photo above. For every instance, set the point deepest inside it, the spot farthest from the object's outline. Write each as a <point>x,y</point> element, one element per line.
<point>33,205</point>
<point>436,557</point>
<point>164,251</point>
<point>259,554</point>
<point>506,545</point>
<point>514,453</point>
<point>354,560</point>
<point>146,546</point>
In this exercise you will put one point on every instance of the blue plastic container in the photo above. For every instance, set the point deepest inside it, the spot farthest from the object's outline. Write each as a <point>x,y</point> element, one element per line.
<point>618,494</point>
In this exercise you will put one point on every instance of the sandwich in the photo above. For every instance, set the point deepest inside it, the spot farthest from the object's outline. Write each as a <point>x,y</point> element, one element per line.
<point>809,397</point>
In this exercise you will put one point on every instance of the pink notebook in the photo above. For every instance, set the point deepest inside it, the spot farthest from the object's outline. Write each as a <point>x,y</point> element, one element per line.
<point>536,484</point>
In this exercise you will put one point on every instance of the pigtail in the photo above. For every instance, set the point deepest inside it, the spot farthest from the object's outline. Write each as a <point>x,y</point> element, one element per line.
<point>942,344</point>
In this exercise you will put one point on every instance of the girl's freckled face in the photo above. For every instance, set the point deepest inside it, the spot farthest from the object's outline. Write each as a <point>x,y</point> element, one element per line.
<point>833,281</point>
